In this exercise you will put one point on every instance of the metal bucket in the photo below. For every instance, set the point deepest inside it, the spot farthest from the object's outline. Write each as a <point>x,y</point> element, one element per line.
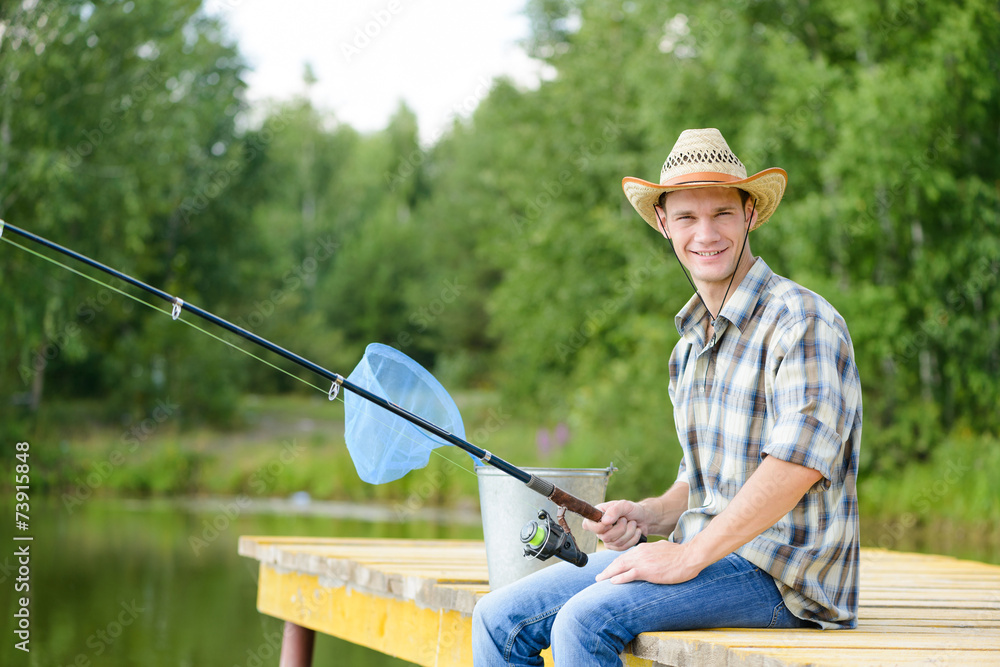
<point>508,504</point>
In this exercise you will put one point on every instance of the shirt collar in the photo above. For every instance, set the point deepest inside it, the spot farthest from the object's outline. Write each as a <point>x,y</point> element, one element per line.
<point>739,307</point>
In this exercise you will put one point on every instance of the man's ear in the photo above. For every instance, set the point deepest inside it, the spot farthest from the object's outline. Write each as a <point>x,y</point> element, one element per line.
<point>661,220</point>
<point>750,211</point>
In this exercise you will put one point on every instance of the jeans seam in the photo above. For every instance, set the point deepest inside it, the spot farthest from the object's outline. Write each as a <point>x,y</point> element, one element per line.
<point>777,611</point>
<point>516,630</point>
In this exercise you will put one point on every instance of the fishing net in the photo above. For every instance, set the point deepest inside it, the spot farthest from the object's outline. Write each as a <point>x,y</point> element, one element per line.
<point>384,446</point>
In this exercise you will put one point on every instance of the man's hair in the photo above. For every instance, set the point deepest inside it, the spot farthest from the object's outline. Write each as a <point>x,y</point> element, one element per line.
<point>744,197</point>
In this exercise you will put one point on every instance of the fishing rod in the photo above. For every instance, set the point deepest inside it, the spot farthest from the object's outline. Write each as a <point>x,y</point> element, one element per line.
<point>542,539</point>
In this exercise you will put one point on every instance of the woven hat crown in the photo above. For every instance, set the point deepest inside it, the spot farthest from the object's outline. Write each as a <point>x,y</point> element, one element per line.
<point>698,151</point>
<point>702,159</point>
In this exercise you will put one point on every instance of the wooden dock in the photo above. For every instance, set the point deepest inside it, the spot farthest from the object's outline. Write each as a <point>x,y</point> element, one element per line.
<point>413,599</point>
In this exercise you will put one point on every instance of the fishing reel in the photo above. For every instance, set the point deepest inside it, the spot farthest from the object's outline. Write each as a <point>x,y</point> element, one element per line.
<point>544,538</point>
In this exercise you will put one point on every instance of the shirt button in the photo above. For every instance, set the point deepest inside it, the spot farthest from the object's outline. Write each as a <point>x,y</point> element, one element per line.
<point>701,389</point>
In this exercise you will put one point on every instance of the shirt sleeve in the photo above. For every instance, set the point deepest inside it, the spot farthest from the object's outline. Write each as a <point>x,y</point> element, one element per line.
<point>682,472</point>
<point>816,394</point>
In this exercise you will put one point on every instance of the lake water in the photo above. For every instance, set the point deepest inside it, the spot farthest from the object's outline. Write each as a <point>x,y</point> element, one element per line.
<point>123,583</point>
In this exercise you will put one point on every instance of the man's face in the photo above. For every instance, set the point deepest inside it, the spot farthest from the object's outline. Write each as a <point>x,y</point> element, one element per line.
<point>707,227</point>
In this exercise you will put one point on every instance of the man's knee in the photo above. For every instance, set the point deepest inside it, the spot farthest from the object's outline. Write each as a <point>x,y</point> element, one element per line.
<point>487,641</point>
<point>501,633</point>
<point>494,613</point>
<point>484,613</point>
<point>577,621</point>
<point>581,623</point>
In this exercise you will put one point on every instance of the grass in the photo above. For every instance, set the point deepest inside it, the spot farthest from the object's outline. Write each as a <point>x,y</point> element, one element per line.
<point>293,443</point>
<point>285,444</point>
<point>954,483</point>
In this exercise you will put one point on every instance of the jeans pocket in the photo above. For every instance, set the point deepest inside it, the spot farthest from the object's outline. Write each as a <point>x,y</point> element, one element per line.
<point>779,610</point>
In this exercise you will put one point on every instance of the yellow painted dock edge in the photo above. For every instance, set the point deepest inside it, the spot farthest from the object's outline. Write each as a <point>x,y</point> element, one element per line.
<point>434,638</point>
<point>395,627</point>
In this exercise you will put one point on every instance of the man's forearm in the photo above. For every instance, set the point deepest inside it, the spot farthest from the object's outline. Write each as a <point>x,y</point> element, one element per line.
<point>665,510</point>
<point>770,493</point>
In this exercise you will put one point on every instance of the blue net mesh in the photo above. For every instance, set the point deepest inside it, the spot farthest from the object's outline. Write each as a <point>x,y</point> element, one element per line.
<point>384,446</point>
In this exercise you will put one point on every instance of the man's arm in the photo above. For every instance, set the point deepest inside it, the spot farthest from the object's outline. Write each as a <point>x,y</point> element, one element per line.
<point>624,521</point>
<point>769,494</point>
<point>666,509</point>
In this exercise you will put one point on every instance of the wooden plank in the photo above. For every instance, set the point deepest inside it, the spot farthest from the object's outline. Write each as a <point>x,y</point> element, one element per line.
<point>859,658</point>
<point>928,579</point>
<point>932,595</point>
<point>971,608</point>
<point>683,651</point>
<point>915,621</point>
<point>730,637</point>
<point>951,616</point>
<point>403,596</point>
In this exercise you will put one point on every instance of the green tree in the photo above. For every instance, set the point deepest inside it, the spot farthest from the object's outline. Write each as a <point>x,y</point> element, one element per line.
<point>884,116</point>
<point>118,140</point>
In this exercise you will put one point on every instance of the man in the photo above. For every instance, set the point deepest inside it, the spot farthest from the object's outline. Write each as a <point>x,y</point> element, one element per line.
<point>762,522</point>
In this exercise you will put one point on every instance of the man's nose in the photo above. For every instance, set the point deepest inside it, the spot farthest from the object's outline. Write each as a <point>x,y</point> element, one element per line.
<point>706,230</point>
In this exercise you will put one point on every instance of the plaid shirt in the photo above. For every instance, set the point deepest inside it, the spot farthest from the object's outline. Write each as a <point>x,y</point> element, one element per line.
<point>777,379</point>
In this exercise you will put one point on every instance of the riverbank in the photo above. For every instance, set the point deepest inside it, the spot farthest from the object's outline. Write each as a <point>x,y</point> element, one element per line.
<point>293,447</point>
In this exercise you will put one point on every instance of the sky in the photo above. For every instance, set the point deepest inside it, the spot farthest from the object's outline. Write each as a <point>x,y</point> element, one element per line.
<point>439,56</point>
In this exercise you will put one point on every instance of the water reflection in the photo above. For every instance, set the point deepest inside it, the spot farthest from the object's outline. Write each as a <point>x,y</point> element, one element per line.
<point>155,583</point>
<point>160,583</point>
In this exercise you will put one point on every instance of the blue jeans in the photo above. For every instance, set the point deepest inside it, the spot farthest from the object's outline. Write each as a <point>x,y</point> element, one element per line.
<point>590,623</point>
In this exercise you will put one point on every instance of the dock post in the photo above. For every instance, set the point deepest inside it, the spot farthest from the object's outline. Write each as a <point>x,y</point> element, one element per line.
<point>297,646</point>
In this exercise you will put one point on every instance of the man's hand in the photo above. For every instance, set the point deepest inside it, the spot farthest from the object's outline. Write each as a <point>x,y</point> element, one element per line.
<point>657,562</point>
<point>623,523</point>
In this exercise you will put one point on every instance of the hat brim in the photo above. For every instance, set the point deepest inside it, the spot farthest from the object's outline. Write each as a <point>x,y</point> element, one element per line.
<point>767,187</point>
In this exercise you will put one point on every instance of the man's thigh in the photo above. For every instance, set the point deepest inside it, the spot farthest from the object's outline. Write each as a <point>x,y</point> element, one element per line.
<point>544,592</point>
<point>729,593</point>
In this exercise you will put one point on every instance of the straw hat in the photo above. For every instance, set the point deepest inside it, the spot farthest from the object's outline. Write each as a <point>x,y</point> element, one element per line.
<point>702,159</point>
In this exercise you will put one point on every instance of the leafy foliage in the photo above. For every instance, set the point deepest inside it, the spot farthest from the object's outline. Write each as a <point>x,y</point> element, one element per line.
<point>505,254</point>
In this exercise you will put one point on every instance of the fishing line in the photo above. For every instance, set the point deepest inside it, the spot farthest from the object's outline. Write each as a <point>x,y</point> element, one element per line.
<point>166,312</point>
<point>391,454</point>
<point>222,340</point>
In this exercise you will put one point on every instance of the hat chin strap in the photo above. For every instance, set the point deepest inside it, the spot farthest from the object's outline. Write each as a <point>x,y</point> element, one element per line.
<point>662,226</point>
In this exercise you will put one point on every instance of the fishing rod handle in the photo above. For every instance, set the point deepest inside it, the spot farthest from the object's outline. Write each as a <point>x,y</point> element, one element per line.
<point>574,504</point>
<point>563,499</point>
<point>569,501</point>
